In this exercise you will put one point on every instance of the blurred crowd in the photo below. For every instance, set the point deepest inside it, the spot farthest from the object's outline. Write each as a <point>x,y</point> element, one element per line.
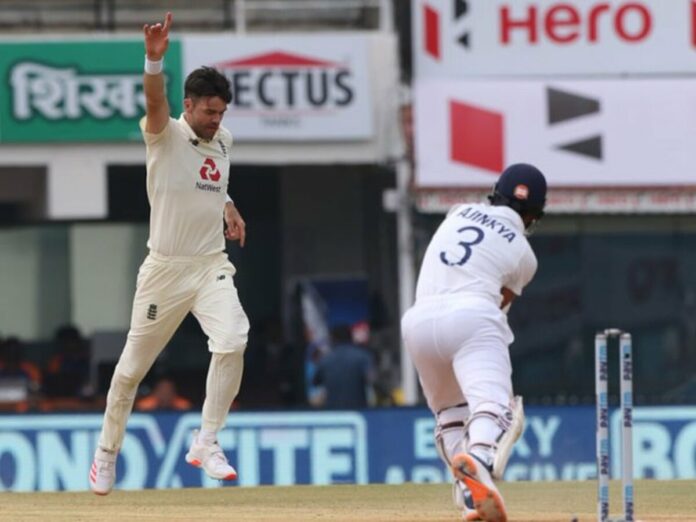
<point>353,369</point>
<point>62,379</point>
<point>61,375</point>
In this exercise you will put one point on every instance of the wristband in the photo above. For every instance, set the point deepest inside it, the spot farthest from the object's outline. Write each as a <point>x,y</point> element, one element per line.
<point>153,67</point>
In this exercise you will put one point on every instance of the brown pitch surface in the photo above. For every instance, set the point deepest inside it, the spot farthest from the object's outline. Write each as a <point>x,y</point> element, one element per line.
<point>656,501</point>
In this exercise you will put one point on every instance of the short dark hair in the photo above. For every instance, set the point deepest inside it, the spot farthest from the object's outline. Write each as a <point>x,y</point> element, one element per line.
<point>342,334</point>
<point>207,82</point>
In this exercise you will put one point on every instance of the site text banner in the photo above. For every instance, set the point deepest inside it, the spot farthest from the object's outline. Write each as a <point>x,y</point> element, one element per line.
<point>54,452</point>
<point>291,87</point>
<point>78,90</point>
<point>469,38</point>
<point>594,133</point>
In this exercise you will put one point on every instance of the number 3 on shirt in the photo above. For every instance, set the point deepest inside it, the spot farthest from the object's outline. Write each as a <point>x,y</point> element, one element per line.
<point>466,245</point>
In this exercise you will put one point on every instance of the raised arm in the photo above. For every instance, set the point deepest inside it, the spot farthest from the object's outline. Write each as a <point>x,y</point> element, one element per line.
<point>157,107</point>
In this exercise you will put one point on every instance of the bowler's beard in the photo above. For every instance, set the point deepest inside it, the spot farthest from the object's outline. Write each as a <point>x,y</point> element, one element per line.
<point>204,133</point>
<point>199,130</point>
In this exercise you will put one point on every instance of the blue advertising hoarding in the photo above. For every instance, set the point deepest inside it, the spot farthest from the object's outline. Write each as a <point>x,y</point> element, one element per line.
<point>54,452</point>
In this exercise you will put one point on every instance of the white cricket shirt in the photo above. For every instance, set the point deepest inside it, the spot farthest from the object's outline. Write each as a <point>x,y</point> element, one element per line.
<point>186,187</point>
<point>477,250</point>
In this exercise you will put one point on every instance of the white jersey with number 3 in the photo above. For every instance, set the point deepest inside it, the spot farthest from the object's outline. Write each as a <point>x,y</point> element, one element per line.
<point>477,250</point>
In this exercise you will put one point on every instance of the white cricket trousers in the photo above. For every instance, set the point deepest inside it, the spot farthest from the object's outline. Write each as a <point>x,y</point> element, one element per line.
<point>167,289</point>
<point>459,347</point>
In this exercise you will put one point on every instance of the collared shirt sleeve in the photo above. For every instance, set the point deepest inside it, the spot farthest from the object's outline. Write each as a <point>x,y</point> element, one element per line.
<point>524,273</point>
<point>152,139</point>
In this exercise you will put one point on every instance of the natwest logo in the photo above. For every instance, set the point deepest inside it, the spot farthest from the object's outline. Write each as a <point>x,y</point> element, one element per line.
<point>276,81</point>
<point>209,170</point>
<point>565,23</point>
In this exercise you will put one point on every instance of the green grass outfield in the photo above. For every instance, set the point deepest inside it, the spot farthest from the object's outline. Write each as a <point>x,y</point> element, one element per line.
<point>656,501</point>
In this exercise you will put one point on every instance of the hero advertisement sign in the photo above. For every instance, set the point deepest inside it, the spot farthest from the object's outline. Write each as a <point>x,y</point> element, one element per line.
<point>295,88</point>
<point>459,38</point>
<point>600,133</point>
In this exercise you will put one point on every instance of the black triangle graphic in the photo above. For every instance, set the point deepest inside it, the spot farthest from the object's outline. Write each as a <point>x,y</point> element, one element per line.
<point>464,40</point>
<point>564,106</point>
<point>591,147</point>
<point>461,7</point>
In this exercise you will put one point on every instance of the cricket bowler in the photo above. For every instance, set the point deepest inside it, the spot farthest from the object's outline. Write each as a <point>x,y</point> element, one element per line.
<point>187,269</point>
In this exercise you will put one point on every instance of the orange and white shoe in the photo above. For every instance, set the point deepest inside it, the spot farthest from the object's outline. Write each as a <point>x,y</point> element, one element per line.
<point>102,474</point>
<point>465,503</point>
<point>477,477</point>
<point>211,459</point>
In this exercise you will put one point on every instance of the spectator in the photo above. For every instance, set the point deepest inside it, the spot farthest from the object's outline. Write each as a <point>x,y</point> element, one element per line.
<point>315,390</point>
<point>67,373</point>
<point>346,373</point>
<point>164,396</point>
<point>379,394</point>
<point>20,379</point>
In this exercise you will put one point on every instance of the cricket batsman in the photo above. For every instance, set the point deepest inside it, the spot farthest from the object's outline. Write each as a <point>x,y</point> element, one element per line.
<point>187,269</point>
<point>458,335</point>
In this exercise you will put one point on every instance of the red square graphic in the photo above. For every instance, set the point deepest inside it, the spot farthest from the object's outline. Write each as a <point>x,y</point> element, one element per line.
<point>476,136</point>
<point>432,31</point>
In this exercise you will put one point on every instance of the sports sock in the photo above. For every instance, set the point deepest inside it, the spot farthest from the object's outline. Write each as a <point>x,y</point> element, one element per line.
<point>207,437</point>
<point>222,386</point>
<point>483,432</point>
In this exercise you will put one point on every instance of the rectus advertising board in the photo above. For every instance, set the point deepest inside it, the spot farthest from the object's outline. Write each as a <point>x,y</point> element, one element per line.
<point>291,88</point>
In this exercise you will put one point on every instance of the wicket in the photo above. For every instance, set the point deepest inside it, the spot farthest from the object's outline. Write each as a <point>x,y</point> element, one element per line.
<point>601,389</point>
